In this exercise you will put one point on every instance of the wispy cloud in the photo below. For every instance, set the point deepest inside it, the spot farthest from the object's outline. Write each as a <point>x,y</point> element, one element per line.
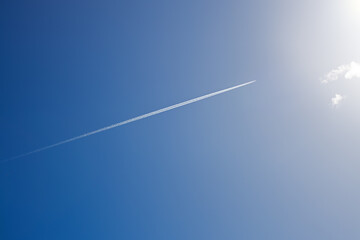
<point>336,99</point>
<point>347,71</point>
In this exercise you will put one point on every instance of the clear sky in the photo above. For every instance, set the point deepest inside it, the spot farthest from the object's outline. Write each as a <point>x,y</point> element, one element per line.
<point>278,159</point>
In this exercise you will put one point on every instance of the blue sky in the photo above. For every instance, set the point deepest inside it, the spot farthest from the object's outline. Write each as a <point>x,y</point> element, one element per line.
<point>274,160</point>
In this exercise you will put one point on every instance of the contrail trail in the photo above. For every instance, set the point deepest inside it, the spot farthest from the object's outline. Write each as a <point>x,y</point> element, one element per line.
<point>129,121</point>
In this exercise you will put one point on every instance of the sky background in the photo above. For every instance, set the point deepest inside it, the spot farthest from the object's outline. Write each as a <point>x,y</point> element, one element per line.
<point>272,160</point>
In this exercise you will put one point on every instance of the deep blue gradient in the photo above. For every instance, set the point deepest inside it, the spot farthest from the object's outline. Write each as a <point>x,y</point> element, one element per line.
<point>260,162</point>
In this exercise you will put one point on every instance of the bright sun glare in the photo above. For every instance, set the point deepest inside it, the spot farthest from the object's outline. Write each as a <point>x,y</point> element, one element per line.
<point>354,7</point>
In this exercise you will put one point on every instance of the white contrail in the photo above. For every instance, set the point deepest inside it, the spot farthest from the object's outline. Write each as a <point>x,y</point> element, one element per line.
<point>129,121</point>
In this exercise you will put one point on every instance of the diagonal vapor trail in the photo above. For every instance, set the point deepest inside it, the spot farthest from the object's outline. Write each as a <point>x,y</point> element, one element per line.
<point>129,121</point>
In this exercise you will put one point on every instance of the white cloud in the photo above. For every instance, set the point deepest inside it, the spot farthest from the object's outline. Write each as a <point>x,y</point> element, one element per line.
<point>348,71</point>
<point>337,99</point>
<point>354,71</point>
